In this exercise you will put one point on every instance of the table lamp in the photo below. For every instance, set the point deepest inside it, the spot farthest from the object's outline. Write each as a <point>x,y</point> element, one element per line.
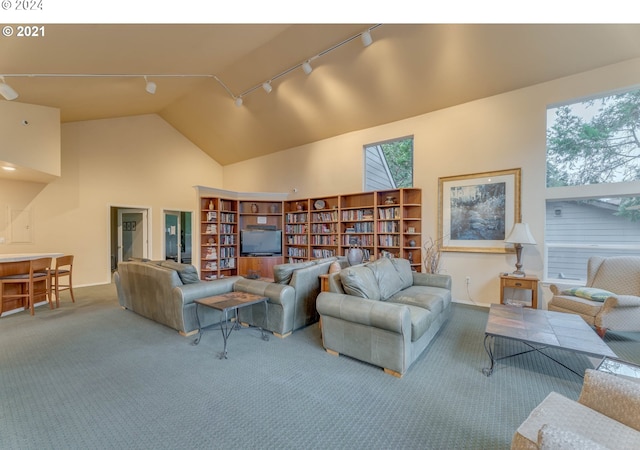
<point>520,234</point>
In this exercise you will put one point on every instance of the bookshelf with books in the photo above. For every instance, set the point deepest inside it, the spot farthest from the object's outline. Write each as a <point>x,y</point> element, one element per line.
<point>357,223</point>
<point>411,214</point>
<point>323,227</point>
<point>296,231</point>
<point>218,237</point>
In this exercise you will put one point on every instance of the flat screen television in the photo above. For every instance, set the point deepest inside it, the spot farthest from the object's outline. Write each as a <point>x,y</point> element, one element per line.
<point>260,242</point>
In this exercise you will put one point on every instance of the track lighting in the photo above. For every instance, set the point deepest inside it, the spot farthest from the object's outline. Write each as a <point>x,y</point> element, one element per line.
<point>151,86</point>
<point>267,86</point>
<point>238,101</point>
<point>306,67</point>
<point>7,91</point>
<point>366,38</point>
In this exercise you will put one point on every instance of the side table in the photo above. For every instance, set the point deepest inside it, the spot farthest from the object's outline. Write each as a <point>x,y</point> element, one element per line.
<point>527,283</point>
<point>224,303</point>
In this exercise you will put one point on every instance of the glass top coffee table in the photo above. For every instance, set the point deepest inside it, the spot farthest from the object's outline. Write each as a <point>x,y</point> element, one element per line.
<point>540,329</point>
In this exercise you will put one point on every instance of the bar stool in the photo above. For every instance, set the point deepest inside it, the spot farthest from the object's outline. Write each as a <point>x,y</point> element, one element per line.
<point>64,268</point>
<point>31,289</point>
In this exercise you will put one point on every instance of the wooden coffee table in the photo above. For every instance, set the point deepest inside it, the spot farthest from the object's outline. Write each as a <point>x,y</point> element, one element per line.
<point>231,301</point>
<point>540,329</point>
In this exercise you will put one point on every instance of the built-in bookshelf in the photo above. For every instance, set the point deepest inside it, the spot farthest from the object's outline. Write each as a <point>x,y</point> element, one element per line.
<point>218,237</point>
<point>380,222</point>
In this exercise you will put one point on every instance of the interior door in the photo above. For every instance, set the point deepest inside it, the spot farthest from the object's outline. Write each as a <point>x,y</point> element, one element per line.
<point>177,236</point>
<point>132,234</point>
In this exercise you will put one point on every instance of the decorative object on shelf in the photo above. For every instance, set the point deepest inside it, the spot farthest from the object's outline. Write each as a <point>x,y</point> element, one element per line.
<point>432,255</point>
<point>210,204</point>
<point>273,208</point>
<point>299,206</point>
<point>355,255</point>
<point>411,230</point>
<point>410,257</point>
<point>520,234</point>
<point>477,211</point>
<point>254,208</point>
<point>211,241</point>
<point>319,204</point>
<point>412,243</point>
<point>390,200</point>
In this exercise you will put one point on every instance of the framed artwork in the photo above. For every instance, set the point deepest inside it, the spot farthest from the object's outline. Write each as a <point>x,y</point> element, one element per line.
<point>477,211</point>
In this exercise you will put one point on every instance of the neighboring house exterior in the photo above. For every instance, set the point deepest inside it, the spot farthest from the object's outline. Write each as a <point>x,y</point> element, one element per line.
<point>577,230</point>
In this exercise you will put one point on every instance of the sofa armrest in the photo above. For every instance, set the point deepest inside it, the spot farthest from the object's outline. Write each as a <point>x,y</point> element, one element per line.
<point>556,289</point>
<point>281,294</point>
<point>187,293</point>
<point>387,316</point>
<point>613,396</point>
<point>432,279</point>
<point>622,301</point>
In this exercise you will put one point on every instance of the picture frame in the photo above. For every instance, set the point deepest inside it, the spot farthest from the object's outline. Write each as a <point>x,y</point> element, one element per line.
<point>477,211</point>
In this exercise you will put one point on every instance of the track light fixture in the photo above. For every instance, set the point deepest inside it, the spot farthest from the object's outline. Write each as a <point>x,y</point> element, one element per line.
<point>150,87</point>
<point>7,91</point>
<point>10,94</point>
<point>366,38</point>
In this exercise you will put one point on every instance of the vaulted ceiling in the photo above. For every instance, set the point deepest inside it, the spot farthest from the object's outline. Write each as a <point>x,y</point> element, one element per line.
<point>407,71</point>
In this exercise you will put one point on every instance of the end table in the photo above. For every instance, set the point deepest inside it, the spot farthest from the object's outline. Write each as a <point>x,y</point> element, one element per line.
<point>528,283</point>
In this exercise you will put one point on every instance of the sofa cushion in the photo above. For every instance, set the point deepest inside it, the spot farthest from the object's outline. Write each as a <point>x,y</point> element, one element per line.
<point>187,273</point>
<point>387,277</point>
<point>360,281</point>
<point>421,320</point>
<point>589,293</point>
<point>430,298</point>
<point>282,273</point>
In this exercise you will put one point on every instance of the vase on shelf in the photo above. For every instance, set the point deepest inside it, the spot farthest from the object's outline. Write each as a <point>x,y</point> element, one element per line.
<point>254,208</point>
<point>210,204</point>
<point>355,254</point>
<point>390,200</point>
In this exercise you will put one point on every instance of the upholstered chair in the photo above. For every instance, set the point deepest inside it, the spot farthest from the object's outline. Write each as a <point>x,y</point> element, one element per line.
<point>610,300</point>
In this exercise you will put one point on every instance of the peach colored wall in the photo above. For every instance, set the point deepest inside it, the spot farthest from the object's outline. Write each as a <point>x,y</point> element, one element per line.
<point>30,137</point>
<point>136,161</point>
<point>501,132</point>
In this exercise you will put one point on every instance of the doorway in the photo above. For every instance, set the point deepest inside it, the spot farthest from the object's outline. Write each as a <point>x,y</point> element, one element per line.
<point>178,236</point>
<point>129,235</point>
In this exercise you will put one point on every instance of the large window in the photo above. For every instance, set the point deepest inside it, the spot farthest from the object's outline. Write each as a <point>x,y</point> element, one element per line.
<point>593,192</point>
<point>388,165</point>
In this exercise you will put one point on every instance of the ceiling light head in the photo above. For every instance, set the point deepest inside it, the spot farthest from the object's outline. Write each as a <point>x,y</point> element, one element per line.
<point>150,87</point>
<point>238,102</point>
<point>7,91</point>
<point>9,168</point>
<point>306,67</point>
<point>366,38</point>
<point>267,86</point>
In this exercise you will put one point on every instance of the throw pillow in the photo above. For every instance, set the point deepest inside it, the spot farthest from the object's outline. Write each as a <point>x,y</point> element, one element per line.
<point>360,281</point>
<point>282,273</point>
<point>589,293</point>
<point>187,273</point>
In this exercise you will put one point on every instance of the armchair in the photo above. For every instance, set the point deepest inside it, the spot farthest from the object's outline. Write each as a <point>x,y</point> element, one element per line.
<point>611,298</point>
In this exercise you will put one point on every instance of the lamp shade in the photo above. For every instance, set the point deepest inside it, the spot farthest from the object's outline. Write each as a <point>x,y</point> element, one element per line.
<point>7,91</point>
<point>520,234</point>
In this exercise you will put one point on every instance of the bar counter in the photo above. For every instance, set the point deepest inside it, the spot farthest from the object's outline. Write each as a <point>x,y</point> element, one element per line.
<point>15,263</point>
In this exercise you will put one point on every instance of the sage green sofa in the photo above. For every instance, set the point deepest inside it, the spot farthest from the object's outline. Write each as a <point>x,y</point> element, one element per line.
<point>165,291</point>
<point>383,313</point>
<point>304,279</point>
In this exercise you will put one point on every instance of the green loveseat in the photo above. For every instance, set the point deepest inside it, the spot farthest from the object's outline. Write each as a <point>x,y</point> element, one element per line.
<point>383,313</point>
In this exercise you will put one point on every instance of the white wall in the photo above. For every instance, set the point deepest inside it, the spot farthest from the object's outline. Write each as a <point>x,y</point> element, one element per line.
<point>136,161</point>
<point>501,132</point>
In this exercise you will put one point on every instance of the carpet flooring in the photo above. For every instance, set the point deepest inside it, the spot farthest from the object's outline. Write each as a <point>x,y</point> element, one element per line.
<point>91,375</point>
